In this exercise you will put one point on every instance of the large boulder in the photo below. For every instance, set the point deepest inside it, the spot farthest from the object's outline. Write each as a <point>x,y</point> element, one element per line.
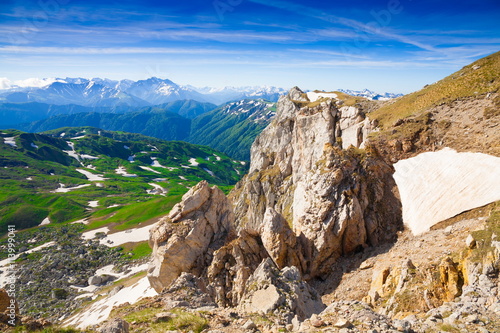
<point>184,241</point>
<point>281,292</point>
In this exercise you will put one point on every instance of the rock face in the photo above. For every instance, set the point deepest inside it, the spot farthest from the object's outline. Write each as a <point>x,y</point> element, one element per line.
<point>305,202</point>
<point>281,292</point>
<point>185,240</point>
<point>335,201</point>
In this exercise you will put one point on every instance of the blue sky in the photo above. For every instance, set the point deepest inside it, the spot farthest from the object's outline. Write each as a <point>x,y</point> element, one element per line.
<point>391,45</point>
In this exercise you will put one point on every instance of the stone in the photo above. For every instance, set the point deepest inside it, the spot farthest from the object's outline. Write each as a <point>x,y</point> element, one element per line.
<point>249,325</point>
<point>162,317</point>
<point>95,280</point>
<point>450,278</point>
<point>342,323</point>
<point>268,291</point>
<point>185,240</point>
<point>116,325</point>
<point>316,321</point>
<point>402,325</point>
<point>470,242</point>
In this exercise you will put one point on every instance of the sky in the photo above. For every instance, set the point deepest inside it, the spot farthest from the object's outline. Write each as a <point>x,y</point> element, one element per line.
<point>386,46</point>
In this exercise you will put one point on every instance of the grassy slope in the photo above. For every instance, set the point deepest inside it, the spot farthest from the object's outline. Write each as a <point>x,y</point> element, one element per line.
<point>470,81</point>
<point>29,176</point>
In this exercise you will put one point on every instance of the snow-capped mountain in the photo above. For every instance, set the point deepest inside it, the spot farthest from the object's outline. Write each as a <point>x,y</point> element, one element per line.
<point>222,95</point>
<point>153,91</point>
<point>158,91</point>
<point>106,92</point>
<point>370,94</point>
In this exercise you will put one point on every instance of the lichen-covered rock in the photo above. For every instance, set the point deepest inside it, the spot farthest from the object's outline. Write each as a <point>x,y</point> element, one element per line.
<point>185,240</point>
<point>281,292</point>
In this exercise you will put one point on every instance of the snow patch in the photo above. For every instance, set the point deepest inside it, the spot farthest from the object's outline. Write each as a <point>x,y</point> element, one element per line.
<point>156,163</point>
<point>94,203</point>
<point>209,172</point>
<point>100,310</point>
<point>11,141</point>
<point>314,96</point>
<point>122,171</point>
<point>193,162</point>
<point>91,176</point>
<point>435,186</point>
<point>63,189</point>
<point>131,159</point>
<point>34,145</point>
<point>92,233</point>
<point>149,169</point>
<point>88,157</point>
<point>45,221</point>
<point>127,236</point>
<point>158,190</point>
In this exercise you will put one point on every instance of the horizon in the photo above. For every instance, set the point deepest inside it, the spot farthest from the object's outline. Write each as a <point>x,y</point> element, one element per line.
<point>391,46</point>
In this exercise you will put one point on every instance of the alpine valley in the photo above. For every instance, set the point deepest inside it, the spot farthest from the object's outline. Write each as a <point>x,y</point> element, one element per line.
<point>151,207</point>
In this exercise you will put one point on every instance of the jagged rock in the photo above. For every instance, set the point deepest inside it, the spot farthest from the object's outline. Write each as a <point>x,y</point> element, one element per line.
<point>269,290</point>
<point>231,267</point>
<point>188,291</point>
<point>116,325</point>
<point>450,278</point>
<point>305,202</point>
<point>327,195</point>
<point>185,240</point>
<point>279,240</point>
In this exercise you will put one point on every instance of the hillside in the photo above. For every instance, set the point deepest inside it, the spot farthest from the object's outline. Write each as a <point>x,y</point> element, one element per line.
<point>476,81</point>
<point>156,123</point>
<point>14,114</point>
<point>77,173</point>
<point>233,127</point>
<point>461,112</point>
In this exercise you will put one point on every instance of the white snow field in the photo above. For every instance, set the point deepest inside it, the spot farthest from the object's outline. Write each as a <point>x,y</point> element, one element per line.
<point>314,96</point>
<point>121,237</point>
<point>435,186</point>
<point>100,310</point>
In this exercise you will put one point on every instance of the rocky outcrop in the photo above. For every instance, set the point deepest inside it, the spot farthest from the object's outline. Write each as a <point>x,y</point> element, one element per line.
<point>305,202</point>
<point>334,200</point>
<point>187,291</point>
<point>281,292</point>
<point>185,240</point>
<point>231,267</point>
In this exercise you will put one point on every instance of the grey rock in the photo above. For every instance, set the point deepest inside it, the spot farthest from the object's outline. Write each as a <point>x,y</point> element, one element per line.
<point>117,325</point>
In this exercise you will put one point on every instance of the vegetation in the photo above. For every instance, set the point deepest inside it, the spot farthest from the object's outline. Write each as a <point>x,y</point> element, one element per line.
<point>39,177</point>
<point>476,79</point>
<point>233,127</point>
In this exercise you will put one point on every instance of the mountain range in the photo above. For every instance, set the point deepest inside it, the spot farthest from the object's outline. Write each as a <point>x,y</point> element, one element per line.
<point>99,92</point>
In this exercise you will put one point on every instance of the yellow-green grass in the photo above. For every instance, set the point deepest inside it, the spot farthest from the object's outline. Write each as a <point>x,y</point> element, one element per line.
<point>476,79</point>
